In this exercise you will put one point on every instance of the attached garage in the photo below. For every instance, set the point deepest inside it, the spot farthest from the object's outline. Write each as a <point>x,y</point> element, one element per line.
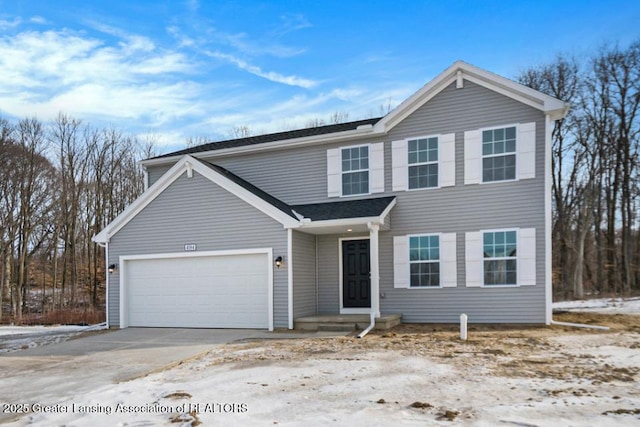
<point>220,289</point>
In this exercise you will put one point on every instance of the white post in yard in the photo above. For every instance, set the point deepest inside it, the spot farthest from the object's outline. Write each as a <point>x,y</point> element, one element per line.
<point>463,327</point>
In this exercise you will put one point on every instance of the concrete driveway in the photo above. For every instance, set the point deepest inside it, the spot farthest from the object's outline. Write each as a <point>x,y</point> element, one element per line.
<point>55,372</point>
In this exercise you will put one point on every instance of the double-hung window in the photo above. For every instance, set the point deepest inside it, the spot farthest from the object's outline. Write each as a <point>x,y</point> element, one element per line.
<point>500,258</point>
<point>499,154</point>
<point>424,261</point>
<point>423,162</point>
<point>355,170</point>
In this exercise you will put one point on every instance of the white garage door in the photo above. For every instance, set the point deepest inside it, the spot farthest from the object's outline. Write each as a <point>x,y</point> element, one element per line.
<point>220,291</point>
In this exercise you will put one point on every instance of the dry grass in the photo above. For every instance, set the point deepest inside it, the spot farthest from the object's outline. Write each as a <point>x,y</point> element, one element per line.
<point>84,316</point>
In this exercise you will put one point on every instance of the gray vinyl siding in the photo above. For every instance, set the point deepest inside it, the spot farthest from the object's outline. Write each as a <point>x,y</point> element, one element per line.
<point>154,173</point>
<point>304,274</point>
<point>328,282</point>
<point>195,210</point>
<point>299,175</point>
<point>465,208</point>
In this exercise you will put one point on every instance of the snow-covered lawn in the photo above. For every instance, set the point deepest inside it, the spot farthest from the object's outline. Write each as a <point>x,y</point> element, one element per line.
<point>413,375</point>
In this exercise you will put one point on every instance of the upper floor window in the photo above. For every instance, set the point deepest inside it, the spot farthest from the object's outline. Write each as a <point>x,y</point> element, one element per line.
<point>355,170</point>
<point>423,162</point>
<point>499,154</point>
<point>500,257</point>
<point>424,260</point>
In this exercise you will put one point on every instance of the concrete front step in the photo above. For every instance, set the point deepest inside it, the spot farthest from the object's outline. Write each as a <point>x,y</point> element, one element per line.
<point>350,321</point>
<point>336,327</point>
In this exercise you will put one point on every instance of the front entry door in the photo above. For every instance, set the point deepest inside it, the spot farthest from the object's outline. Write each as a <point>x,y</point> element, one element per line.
<point>356,280</point>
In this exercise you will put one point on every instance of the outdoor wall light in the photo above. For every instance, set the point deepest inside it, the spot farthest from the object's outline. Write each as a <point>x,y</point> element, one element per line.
<point>279,261</point>
<point>112,268</point>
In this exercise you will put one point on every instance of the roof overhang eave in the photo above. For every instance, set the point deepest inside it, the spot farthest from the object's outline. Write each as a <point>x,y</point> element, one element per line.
<point>288,143</point>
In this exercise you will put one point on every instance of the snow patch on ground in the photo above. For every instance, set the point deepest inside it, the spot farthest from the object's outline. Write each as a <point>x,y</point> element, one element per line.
<point>15,338</point>
<point>407,376</point>
<point>602,305</point>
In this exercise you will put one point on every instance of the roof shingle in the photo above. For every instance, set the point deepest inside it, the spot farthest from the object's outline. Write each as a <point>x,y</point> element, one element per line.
<point>272,137</point>
<point>344,209</point>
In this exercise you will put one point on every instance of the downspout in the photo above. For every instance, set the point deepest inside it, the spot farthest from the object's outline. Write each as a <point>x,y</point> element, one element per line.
<point>581,325</point>
<point>375,277</point>
<point>372,325</point>
<point>290,276</point>
<point>317,278</point>
<point>106,282</point>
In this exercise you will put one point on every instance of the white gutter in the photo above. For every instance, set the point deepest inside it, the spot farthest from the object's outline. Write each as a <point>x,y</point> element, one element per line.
<point>372,325</point>
<point>581,325</point>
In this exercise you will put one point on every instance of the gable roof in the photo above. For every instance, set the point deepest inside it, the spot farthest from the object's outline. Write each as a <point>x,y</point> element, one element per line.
<point>313,215</point>
<point>344,209</point>
<point>458,72</point>
<point>223,178</point>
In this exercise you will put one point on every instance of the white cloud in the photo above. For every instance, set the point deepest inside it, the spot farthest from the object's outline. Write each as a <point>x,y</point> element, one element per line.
<point>7,24</point>
<point>184,40</point>
<point>51,71</point>
<point>242,43</point>
<point>131,42</point>
<point>38,20</point>
<point>269,75</point>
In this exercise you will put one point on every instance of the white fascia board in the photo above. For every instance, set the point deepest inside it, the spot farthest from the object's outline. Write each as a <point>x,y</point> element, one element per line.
<point>174,173</point>
<point>343,222</point>
<point>386,211</point>
<point>528,96</point>
<point>415,101</point>
<point>280,144</point>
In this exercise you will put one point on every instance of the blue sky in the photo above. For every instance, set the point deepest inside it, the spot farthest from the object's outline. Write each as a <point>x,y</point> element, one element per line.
<point>177,69</point>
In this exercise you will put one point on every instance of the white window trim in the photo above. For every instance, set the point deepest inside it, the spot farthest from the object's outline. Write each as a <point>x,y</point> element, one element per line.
<point>437,162</point>
<point>409,236</point>
<point>499,230</point>
<point>483,156</point>
<point>368,170</point>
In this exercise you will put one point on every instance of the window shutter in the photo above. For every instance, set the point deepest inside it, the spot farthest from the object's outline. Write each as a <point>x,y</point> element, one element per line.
<point>376,168</point>
<point>472,157</point>
<point>448,258</point>
<point>334,172</point>
<point>473,259</point>
<point>400,262</point>
<point>526,256</point>
<point>526,148</point>
<point>447,155</point>
<point>399,162</point>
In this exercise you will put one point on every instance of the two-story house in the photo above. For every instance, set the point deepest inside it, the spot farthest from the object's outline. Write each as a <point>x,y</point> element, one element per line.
<point>441,207</point>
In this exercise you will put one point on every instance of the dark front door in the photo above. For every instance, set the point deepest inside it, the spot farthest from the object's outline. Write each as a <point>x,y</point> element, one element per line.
<point>356,281</point>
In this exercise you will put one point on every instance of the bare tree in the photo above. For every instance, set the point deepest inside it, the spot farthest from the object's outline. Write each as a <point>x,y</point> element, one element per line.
<point>36,177</point>
<point>240,131</point>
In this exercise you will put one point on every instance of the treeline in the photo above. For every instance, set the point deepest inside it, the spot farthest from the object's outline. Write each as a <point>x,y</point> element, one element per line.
<point>596,241</point>
<point>60,183</point>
